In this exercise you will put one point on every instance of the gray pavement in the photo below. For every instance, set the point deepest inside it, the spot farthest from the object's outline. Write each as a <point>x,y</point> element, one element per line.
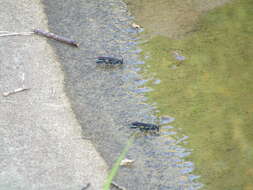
<point>40,145</point>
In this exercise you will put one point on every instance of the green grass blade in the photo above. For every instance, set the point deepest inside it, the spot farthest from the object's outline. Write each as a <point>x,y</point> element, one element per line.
<point>116,165</point>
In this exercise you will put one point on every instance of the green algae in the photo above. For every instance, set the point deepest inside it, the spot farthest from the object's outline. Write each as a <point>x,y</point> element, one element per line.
<point>210,93</point>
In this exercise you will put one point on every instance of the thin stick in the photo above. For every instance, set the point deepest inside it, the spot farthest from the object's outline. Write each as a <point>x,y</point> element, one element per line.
<point>15,91</point>
<point>86,186</point>
<point>118,186</point>
<point>56,37</point>
<point>17,34</point>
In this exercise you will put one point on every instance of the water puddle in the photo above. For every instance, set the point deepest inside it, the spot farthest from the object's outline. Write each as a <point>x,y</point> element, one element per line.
<point>202,57</point>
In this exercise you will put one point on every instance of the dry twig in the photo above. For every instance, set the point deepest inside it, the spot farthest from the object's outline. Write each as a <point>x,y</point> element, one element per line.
<point>42,33</point>
<point>15,91</point>
<point>16,34</point>
<point>118,186</point>
<point>56,37</point>
<point>86,186</point>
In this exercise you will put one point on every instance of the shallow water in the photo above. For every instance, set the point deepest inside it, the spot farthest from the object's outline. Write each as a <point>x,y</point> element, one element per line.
<point>210,92</point>
<point>106,100</point>
<point>171,18</point>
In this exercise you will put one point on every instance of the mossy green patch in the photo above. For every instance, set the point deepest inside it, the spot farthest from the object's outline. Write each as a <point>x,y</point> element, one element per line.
<point>211,92</point>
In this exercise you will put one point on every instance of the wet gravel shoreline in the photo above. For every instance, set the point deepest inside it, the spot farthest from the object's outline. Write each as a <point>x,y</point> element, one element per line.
<point>105,99</point>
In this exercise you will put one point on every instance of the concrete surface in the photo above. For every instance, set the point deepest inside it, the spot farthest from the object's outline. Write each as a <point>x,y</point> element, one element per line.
<point>40,145</point>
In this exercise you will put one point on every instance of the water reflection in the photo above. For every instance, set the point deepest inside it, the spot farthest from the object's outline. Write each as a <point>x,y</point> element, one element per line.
<point>210,94</point>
